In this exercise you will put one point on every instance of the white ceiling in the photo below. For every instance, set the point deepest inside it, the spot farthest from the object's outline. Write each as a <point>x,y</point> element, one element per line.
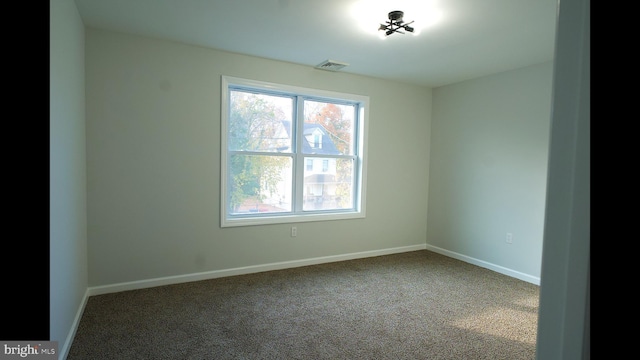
<point>470,38</point>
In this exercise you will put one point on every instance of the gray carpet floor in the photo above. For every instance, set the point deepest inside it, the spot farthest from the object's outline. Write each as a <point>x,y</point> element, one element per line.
<point>414,305</point>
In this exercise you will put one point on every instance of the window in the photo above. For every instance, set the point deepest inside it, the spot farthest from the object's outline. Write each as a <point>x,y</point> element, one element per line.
<point>290,154</point>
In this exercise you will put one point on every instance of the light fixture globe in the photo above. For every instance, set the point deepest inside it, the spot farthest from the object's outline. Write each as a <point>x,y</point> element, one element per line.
<point>395,23</point>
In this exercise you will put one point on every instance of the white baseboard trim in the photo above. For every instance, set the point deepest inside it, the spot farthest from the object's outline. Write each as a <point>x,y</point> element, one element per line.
<point>64,351</point>
<point>141,284</point>
<point>502,270</point>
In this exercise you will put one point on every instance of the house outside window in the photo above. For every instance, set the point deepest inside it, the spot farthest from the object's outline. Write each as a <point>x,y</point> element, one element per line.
<point>272,135</point>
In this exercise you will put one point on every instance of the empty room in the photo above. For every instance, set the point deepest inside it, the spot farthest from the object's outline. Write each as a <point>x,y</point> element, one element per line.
<point>334,179</point>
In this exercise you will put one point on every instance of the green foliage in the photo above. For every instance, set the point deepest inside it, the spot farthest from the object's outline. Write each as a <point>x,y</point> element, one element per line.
<point>245,182</point>
<point>254,123</point>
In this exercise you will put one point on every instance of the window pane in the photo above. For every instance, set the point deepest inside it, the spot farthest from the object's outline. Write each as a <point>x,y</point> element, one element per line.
<point>328,128</point>
<point>259,184</point>
<point>259,122</point>
<point>329,190</point>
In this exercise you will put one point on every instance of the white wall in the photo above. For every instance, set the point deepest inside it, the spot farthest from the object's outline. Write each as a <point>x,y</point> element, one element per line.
<point>67,184</point>
<point>153,155</point>
<point>489,148</point>
<point>564,316</point>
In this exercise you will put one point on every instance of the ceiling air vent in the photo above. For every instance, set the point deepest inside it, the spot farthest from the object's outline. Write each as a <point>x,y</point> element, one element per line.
<point>331,65</point>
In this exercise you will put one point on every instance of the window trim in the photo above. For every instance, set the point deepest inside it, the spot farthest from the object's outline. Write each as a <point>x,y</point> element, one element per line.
<point>361,154</point>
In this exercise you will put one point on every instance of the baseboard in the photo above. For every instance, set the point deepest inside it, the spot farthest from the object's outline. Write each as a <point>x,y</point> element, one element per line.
<point>135,285</point>
<point>64,351</point>
<point>502,270</point>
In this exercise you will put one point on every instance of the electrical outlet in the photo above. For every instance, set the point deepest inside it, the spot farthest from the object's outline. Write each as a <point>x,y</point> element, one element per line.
<point>509,238</point>
<point>294,231</point>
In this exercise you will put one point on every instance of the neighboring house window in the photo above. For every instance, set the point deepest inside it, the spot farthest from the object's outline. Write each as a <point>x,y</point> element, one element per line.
<point>317,141</point>
<point>271,136</point>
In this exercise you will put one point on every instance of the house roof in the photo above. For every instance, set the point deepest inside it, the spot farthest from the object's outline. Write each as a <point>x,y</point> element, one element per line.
<point>328,146</point>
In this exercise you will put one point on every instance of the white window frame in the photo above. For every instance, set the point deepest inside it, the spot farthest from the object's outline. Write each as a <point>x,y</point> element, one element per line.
<point>360,149</point>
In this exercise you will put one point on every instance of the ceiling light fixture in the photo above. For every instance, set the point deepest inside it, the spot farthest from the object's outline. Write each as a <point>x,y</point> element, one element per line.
<point>395,23</point>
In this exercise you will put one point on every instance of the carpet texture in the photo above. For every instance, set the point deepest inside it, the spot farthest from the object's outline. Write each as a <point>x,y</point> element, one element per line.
<point>413,305</point>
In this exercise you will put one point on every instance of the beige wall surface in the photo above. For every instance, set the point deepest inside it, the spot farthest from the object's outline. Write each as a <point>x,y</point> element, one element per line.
<point>153,163</point>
